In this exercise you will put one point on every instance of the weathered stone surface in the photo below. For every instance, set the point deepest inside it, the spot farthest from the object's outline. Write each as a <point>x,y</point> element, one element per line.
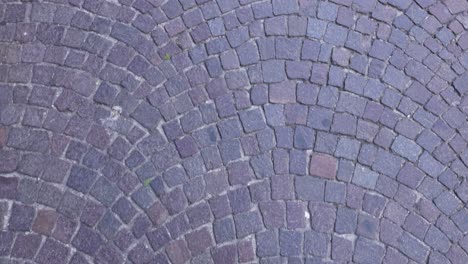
<point>233,131</point>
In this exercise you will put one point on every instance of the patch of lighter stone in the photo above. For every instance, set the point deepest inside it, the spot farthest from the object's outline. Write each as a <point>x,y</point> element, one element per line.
<point>116,111</point>
<point>4,218</point>
<point>111,121</point>
<point>350,237</point>
<point>114,2</point>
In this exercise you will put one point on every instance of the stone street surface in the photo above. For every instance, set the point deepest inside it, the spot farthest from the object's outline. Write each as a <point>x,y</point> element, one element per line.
<point>233,131</point>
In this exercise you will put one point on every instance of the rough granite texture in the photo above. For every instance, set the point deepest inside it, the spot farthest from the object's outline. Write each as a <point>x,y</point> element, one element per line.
<point>233,131</point>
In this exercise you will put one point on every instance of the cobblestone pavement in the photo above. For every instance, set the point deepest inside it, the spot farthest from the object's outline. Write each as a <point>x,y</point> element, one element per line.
<point>233,131</point>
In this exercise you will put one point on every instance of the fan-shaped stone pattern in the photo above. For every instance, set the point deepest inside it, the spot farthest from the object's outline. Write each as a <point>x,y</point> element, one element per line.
<point>199,131</point>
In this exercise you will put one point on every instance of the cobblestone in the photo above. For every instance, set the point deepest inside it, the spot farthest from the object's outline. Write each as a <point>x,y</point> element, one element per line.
<point>233,131</point>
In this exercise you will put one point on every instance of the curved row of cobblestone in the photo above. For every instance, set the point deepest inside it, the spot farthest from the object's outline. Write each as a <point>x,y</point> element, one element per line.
<point>233,131</point>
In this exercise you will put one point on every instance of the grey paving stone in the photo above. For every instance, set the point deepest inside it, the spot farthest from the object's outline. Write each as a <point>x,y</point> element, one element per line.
<point>326,143</point>
<point>51,251</point>
<point>335,34</point>
<point>104,191</point>
<point>87,240</point>
<point>346,221</point>
<point>412,247</point>
<point>429,165</point>
<point>447,202</point>
<point>252,120</point>
<point>342,249</point>
<point>248,223</point>
<point>281,7</point>
<point>364,247</point>
<point>406,148</point>
<point>316,28</point>
<point>347,148</point>
<point>368,226</point>
<point>373,204</point>
<point>81,179</point>
<point>323,217</point>
<point>273,214</point>
<point>267,244</point>
<point>365,177</point>
<point>335,192</point>
<point>416,225</point>
<point>387,163</point>
<point>304,138</point>
<point>320,118</point>
<point>314,243</point>
<point>410,175</point>
<point>344,124</point>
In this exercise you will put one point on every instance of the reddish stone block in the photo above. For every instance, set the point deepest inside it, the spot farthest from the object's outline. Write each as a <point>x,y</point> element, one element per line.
<point>44,222</point>
<point>324,166</point>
